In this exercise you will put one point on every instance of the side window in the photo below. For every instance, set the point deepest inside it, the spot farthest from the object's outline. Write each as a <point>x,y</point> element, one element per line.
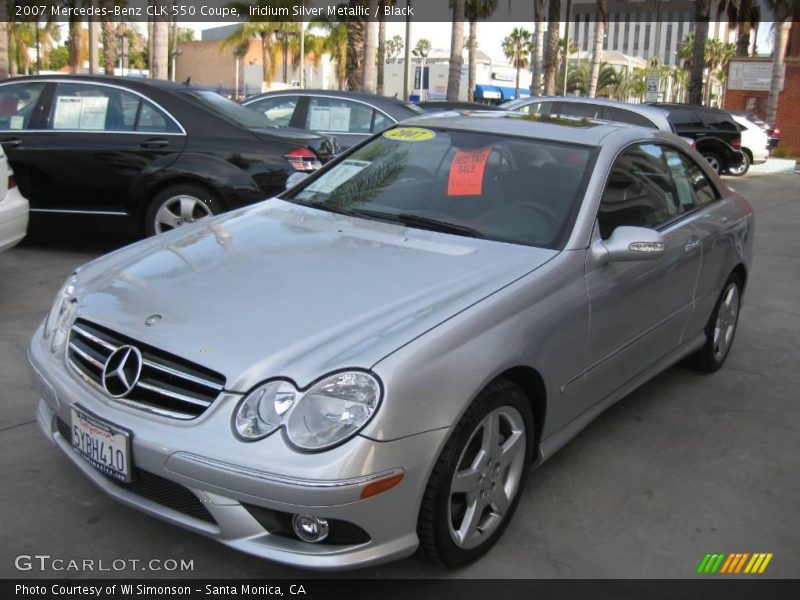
<point>276,108</point>
<point>639,191</point>
<point>335,115</point>
<point>381,122</point>
<point>17,103</point>
<point>719,121</point>
<point>578,109</point>
<point>620,115</point>
<point>88,107</point>
<point>690,175</point>
<point>685,117</point>
<point>536,108</point>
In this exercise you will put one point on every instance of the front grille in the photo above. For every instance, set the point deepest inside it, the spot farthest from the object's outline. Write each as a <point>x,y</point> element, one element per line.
<point>168,385</point>
<point>340,533</point>
<point>156,489</point>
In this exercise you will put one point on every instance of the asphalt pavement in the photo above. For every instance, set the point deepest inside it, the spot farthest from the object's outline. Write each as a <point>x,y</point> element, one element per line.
<point>689,464</point>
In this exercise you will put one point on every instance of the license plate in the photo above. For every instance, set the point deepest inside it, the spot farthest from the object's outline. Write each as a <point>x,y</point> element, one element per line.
<point>105,446</point>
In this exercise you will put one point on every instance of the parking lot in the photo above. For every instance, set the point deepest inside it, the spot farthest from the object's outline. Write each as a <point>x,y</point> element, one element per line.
<point>686,465</point>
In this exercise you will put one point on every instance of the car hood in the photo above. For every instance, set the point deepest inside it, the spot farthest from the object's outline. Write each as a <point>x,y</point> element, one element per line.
<point>279,289</point>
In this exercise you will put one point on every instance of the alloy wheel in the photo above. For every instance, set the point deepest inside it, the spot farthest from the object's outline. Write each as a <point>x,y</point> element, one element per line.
<point>180,210</point>
<point>487,477</point>
<point>727,317</point>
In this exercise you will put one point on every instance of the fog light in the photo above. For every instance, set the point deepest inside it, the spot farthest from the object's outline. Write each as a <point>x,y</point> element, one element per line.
<point>310,528</point>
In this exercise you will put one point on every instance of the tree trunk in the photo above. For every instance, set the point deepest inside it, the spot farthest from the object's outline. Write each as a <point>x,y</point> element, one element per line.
<point>160,48</point>
<point>108,31</point>
<point>551,60</point>
<point>370,49</point>
<point>381,52</point>
<point>74,44</point>
<point>781,40</point>
<point>94,58</point>
<point>516,84</point>
<point>3,41</point>
<point>355,48</point>
<point>701,15</point>
<point>597,56</point>
<point>456,51</point>
<point>472,42</point>
<point>538,48</point>
<point>266,60</point>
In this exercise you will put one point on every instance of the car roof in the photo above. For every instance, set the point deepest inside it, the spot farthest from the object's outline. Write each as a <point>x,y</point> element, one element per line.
<point>110,79</point>
<point>575,131</point>
<point>374,99</point>
<point>649,111</point>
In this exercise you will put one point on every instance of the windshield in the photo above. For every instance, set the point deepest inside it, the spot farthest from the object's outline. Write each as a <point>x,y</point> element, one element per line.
<point>481,185</point>
<point>231,110</point>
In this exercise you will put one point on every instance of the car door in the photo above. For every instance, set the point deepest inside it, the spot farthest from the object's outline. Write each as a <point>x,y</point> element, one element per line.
<point>640,309</point>
<point>21,116</point>
<point>93,143</point>
<point>348,120</point>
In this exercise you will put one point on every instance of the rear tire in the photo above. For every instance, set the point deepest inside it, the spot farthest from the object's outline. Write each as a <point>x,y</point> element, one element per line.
<point>179,205</point>
<point>714,160</point>
<point>720,329</point>
<point>741,169</point>
<point>478,479</point>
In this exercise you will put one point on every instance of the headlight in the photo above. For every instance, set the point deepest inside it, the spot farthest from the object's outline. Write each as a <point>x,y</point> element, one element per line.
<point>61,314</point>
<point>327,414</point>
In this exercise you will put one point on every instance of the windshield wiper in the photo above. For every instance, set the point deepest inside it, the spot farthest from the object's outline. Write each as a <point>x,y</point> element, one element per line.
<point>437,225</point>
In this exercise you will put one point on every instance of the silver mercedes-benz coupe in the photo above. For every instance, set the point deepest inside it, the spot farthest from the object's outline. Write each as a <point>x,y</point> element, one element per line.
<point>372,362</point>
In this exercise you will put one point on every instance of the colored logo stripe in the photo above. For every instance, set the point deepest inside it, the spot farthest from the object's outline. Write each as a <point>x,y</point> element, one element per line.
<point>737,562</point>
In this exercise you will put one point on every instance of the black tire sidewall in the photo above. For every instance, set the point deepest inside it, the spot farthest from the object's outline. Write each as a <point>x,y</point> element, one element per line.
<point>202,193</point>
<point>494,396</point>
<point>706,360</point>
<point>718,158</point>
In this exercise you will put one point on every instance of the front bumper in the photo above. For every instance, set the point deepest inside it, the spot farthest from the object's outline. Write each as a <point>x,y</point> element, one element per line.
<point>228,477</point>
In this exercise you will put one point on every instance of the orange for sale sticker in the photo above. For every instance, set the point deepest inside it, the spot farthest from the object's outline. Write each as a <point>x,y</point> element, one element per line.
<point>466,172</point>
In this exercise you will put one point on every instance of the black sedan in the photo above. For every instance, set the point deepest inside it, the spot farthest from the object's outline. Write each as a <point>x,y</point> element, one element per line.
<point>160,153</point>
<point>350,116</point>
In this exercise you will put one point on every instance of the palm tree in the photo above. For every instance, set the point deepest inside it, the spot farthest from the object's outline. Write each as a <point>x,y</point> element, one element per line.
<point>48,36</point>
<point>517,48</point>
<point>335,44</point>
<point>394,47</point>
<point>456,51</point>
<point>562,57</point>
<point>686,51</point>
<point>538,47</point>
<point>702,12</point>
<point>474,11</point>
<point>3,40</point>
<point>551,62</point>
<point>74,44</point>
<point>679,77</point>
<point>782,10</point>
<point>381,61</point>
<point>370,50</point>
<point>746,14</point>
<point>160,58</point>
<point>597,51</point>
<point>21,37</point>
<point>355,47</point>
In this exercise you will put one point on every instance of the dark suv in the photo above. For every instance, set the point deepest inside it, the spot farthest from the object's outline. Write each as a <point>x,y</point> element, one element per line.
<point>716,135</point>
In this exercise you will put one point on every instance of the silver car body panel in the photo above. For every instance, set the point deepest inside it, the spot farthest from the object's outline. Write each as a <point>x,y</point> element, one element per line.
<point>281,290</point>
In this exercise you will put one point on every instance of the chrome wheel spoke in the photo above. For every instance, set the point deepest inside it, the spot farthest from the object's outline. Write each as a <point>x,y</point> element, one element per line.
<point>511,448</point>
<point>166,217</point>
<point>469,525</point>
<point>499,500</point>
<point>490,442</point>
<point>187,208</point>
<point>465,482</point>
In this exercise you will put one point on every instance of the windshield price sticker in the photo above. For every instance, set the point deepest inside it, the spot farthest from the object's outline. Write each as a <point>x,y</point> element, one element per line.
<point>466,172</point>
<point>410,134</point>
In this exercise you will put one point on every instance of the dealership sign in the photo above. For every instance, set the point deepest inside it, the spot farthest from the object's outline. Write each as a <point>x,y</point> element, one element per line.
<point>749,75</point>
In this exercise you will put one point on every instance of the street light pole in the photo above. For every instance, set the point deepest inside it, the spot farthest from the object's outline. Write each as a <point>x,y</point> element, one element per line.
<point>566,45</point>
<point>407,55</point>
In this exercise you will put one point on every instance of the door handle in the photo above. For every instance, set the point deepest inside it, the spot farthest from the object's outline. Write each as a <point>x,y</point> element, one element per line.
<point>11,142</point>
<point>691,243</point>
<point>157,143</point>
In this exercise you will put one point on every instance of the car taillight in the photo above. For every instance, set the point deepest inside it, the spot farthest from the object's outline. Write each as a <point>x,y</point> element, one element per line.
<point>12,183</point>
<point>736,143</point>
<point>303,159</point>
<point>776,132</point>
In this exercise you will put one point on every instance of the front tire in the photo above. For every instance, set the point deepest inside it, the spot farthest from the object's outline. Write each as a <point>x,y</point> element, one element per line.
<point>180,205</point>
<point>477,481</point>
<point>721,328</point>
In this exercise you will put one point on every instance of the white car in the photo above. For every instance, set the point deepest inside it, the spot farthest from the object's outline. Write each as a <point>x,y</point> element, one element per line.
<point>13,207</point>
<point>755,145</point>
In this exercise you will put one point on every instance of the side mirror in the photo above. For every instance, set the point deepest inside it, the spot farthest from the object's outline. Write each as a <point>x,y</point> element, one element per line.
<point>294,179</point>
<point>630,243</point>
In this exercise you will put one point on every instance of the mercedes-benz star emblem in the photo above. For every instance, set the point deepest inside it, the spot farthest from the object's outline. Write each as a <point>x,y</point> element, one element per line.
<point>152,320</point>
<point>122,370</point>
